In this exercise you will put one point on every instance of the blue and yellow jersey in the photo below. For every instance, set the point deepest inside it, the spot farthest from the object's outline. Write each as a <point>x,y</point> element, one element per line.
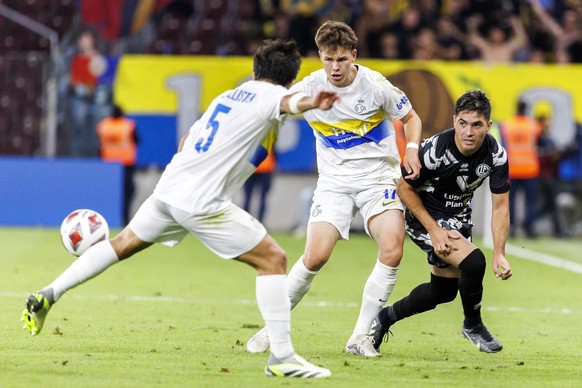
<point>356,136</point>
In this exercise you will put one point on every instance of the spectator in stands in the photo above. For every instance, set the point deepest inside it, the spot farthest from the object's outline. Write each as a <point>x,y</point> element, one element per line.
<point>346,11</point>
<point>372,25</point>
<point>567,34</point>
<point>406,28</point>
<point>86,66</point>
<point>304,21</point>
<point>389,45</point>
<point>425,45</point>
<point>261,181</point>
<point>498,45</point>
<point>118,137</point>
<point>549,155</point>
<point>450,39</point>
<point>520,137</point>
<point>280,25</point>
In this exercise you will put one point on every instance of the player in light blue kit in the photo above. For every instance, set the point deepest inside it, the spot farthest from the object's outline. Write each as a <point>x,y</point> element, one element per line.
<point>359,167</point>
<point>194,193</point>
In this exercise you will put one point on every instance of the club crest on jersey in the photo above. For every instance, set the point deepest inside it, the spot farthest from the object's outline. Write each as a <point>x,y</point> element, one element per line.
<point>316,211</point>
<point>482,170</point>
<point>360,107</point>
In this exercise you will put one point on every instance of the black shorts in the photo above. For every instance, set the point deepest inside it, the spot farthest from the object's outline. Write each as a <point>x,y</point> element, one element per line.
<point>420,236</point>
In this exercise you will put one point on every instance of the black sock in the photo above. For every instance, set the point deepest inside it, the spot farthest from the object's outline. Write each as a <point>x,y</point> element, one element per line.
<point>471,286</point>
<point>423,298</point>
<point>386,316</point>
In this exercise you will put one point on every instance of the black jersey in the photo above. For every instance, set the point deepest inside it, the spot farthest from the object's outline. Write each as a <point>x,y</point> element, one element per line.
<point>448,179</point>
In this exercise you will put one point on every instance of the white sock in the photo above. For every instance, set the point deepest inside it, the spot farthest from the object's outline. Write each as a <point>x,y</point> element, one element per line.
<point>299,282</point>
<point>90,264</point>
<point>275,308</point>
<point>377,290</point>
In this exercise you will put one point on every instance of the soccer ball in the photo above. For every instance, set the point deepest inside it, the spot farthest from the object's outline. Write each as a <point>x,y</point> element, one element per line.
<point>81,229</point>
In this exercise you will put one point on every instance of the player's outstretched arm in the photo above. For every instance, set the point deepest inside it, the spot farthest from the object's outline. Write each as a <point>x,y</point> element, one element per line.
<point>500,229</point>
<point>301,102</point>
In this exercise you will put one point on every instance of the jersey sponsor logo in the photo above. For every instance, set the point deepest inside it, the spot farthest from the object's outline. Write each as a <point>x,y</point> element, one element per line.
<point>454,201</point>
<point>400,104</point>
<point>344,139</point>
<point>482,170</point>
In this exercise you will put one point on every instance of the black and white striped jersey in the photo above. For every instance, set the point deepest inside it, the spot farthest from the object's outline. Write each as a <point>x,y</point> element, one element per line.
<point>448,179</point>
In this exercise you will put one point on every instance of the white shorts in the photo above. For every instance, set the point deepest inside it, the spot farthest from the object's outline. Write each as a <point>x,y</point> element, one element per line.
<point>336,201</point>
<point>229,233</point>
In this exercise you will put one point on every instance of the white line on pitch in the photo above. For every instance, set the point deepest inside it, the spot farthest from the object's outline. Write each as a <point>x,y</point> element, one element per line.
<point>543,258</point>
<point>170,299</point>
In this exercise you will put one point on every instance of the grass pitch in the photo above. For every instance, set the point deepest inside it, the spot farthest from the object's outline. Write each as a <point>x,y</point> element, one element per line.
<point>180,317</point>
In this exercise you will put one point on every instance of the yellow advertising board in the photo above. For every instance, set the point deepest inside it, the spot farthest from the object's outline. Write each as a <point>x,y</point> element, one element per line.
<point>185,85</point>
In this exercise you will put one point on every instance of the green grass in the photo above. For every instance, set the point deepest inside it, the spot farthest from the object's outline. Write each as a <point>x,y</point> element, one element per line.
<point>180,317</point>
<point>569,248</point>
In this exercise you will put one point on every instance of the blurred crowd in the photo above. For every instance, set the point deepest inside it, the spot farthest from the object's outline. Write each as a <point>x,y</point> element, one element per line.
<point>546,31</point>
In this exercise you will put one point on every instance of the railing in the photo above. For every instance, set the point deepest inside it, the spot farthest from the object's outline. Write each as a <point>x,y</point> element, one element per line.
<point>49,134</point>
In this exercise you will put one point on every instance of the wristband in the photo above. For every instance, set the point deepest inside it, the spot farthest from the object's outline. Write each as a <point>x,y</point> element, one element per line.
<point>293,100</point>
<point>411,145</point>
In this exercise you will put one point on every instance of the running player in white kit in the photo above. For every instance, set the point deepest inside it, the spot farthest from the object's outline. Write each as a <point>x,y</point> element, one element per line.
<point>215,157</point>
<point>359,168</point>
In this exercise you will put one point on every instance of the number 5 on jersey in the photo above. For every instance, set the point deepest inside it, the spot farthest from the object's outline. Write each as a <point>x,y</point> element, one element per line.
<point>202,144</point>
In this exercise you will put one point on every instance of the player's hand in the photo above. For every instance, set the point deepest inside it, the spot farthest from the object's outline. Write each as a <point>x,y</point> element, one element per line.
<point>324,99</point>
<point>443,241</point>
<point>501,268</point>
<point>411,164</point>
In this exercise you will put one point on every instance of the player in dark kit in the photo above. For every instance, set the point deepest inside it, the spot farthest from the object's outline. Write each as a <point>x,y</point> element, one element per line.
<point>455,163</point>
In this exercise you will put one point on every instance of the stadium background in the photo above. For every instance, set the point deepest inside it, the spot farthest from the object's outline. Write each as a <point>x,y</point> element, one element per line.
<point>166,93</point>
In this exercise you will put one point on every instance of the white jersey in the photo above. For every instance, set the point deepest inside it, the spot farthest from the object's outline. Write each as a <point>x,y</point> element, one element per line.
<point>223,149</point>
<point>356,137</point>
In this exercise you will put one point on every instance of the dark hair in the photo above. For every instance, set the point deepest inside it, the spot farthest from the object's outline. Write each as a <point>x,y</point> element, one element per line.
<point>334,35</point>
<point>278,61</point>
<point>521,108</point>
<point>474,101</point>
<point>116,111</point>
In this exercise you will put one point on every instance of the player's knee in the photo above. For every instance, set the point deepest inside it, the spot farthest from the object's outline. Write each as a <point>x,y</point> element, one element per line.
<point>277,260</point>
<point>391,256</point>
<point>443,290</point>
<point>314,261</point>
<point>474,264</point>
<point>280,259</point>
